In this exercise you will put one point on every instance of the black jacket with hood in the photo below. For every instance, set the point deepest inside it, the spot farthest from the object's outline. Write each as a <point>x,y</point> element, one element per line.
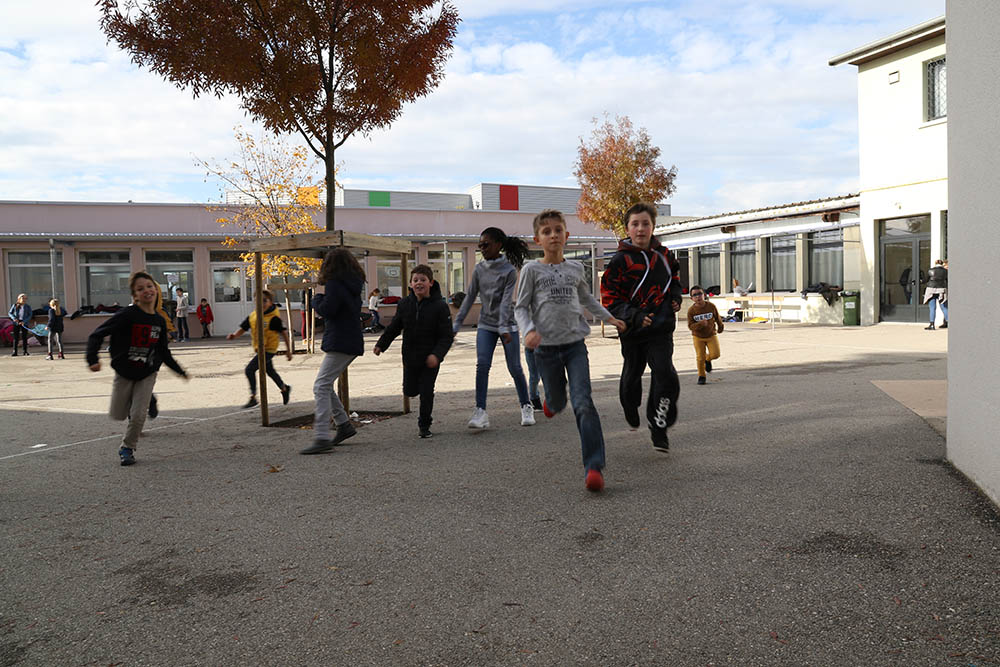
<point>637,283</point>
<point>425,325</point>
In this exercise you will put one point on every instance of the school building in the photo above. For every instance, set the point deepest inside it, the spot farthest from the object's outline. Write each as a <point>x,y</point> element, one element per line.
<point>881,241</point>
<point>89,249</point>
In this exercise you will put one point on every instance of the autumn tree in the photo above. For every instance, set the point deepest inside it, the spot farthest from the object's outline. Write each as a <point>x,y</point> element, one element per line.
<point>270,189</point>
<point>617,168</point>
<point>325,69</point>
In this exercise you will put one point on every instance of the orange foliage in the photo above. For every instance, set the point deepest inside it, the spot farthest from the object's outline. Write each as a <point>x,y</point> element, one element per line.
<point>618,168</point>
<point>326,69</point>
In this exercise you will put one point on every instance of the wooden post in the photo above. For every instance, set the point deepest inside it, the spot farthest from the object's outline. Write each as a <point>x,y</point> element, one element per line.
<point>403,272</point>
<point>291,328</point>
<point>259,334</point>
<point>344,391</point>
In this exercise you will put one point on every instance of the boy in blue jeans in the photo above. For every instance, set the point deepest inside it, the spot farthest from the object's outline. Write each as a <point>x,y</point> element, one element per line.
<point>551,295</point>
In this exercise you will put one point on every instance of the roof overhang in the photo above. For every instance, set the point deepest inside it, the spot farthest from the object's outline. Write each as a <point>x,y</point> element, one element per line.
<point>888,45</point>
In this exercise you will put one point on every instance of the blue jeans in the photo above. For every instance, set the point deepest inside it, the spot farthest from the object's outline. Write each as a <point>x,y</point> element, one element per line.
<point>555,362</point>
<point>944,308</point>
<point>486,345</point>
<point>533,378</point>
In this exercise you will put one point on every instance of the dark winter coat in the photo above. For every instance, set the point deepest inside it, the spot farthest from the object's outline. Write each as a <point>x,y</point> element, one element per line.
<point>56,319</point>
<point>637,283</point>
<point>340,308</point>
<point>425,325</point>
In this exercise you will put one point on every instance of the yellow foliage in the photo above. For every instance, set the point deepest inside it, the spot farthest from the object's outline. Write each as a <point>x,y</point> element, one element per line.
<point>279,190</point>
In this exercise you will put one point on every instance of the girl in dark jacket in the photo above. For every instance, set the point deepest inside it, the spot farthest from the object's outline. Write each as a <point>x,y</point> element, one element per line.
<point>425,322</point>
<point>56,315</point>
<point>338,301</point>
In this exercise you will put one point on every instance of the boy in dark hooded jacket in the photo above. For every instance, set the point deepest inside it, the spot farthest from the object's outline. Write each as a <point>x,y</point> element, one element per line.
<point>424,319</point>
<point>641,286</point>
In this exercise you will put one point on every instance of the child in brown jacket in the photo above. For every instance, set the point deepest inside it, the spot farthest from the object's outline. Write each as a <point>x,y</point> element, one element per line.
<point>704,323</point>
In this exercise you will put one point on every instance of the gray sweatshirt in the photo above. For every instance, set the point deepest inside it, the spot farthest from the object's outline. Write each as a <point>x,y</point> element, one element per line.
<point>494,280</point>
<point>551,299</point>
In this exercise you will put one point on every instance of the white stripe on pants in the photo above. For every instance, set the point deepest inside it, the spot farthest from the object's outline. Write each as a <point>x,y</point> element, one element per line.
<point>130,400</point>
<point>327,402</point>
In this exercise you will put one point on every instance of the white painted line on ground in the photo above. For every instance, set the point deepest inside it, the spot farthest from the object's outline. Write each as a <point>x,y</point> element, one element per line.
<point>76,411</point>
<point>116,435</point>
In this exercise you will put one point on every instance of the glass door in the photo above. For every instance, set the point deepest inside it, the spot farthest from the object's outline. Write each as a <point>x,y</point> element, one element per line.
<point>905,266</point>
<point>231,294</point>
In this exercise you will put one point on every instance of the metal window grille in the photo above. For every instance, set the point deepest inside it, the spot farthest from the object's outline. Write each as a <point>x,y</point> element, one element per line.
<point>937,89</point>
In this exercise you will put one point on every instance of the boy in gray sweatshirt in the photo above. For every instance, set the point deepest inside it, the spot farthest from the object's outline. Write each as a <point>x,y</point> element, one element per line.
<point>551,296</point>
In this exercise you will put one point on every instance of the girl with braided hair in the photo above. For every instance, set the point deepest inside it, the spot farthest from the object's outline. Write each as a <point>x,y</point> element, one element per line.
<point>494,280</point>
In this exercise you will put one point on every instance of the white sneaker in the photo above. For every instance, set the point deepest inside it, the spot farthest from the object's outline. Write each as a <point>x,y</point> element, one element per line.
<point>527,415</point>
<point>479,419</point>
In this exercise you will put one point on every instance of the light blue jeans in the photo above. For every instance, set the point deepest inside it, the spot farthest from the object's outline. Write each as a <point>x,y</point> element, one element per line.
<point>327,402</point>
<point>555,362</point>
<point>932,303</point>
<point>486,345</point>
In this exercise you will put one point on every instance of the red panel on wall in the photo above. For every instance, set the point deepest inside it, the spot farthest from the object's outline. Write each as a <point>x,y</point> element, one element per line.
<point>508,198</point>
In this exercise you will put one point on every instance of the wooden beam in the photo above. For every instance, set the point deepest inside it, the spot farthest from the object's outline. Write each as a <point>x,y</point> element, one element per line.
<point>288,286</point>
<point>337,238</point>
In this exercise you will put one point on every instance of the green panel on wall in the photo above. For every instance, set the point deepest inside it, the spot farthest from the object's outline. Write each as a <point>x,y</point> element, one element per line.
<point>378,198</point>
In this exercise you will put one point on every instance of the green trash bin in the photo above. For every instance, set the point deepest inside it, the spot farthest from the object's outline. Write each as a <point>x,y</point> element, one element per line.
<point>852,308</point>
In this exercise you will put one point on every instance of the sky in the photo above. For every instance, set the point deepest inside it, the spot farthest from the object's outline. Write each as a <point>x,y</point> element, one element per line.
<point>737,95</point>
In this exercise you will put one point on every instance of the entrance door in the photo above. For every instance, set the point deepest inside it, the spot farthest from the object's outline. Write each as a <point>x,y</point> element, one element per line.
<point>905,266</point>
<point>231,295</point>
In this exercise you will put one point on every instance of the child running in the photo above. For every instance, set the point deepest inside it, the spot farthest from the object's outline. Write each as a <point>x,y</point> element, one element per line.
<point>424,319</point>
<point>705,325</point>
<point>138,347</point>
<point>551,296</point>
<point>56,328</point>
<point>154,405</point>
<point>641,286</point>
<point>494,280</point>
<point>273,329</point>
<point>338,301</point>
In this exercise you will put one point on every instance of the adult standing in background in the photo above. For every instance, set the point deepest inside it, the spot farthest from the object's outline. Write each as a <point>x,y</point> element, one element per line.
<point>182,316</point>
<point>20,313</point>
<point>936,292</point>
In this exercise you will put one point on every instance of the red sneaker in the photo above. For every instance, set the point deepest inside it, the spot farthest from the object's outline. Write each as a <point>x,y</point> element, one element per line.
<point>545,409</point>
<point>595,480</point>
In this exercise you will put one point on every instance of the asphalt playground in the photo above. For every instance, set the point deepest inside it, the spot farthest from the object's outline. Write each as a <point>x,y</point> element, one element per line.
<point>805,515</point>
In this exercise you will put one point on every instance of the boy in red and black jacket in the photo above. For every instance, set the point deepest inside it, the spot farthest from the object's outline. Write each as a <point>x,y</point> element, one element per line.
<point>641,285</point>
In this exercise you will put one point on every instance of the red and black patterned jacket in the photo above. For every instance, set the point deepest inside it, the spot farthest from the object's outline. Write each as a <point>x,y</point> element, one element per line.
<point>637,283</point>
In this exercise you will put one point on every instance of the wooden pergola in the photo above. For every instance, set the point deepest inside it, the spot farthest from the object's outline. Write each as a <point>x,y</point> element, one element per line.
<point>316,245</point>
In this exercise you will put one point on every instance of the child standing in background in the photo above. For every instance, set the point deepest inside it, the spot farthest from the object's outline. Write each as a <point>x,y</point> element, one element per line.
<point>138,347</point>
<point>551,295</point>
<point>20,314</point>
<point>424,319</point>
<point>206,317</point>
<point>373,301</point>
<point>705,325</point>
<point>56,327</point>
<point>182,316</point>
<point>494,280</point>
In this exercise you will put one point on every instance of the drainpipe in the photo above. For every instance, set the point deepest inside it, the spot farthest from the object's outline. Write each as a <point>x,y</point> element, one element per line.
<point>53,268</point>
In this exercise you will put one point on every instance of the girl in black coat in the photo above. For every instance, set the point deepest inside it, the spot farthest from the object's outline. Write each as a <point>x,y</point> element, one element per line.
<point>56,315</point>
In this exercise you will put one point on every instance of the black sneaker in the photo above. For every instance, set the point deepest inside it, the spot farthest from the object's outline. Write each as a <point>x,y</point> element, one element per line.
<point>125,454</point>
<point>701,379</point>
<point>708,366</point>
<point>344,431</point>
<point>249,404</point>
<point>929,328</point>
<point>659,438</point>
<point>425,432</point>
<point>944,325</point>
<point>154,407</point>
<point>632,416</point>
<point>285,393</point>
<point>319,446</point>
<point>536,403</point>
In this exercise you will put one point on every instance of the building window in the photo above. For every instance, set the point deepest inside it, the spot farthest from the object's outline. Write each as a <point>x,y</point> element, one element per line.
<point>826,257</point>
<point>388,276</point>
<point>30,273</point>
<point>782,277</point>
<point>172,269</point>
<point>709,268</point>
<point>743,263</point>
<point>454,281</point>
<point>937,89</point>
<point>682,258</point>
<point>104,278</point>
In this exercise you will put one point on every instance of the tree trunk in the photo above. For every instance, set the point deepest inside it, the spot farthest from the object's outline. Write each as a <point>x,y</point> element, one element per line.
<point>331,184</point>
